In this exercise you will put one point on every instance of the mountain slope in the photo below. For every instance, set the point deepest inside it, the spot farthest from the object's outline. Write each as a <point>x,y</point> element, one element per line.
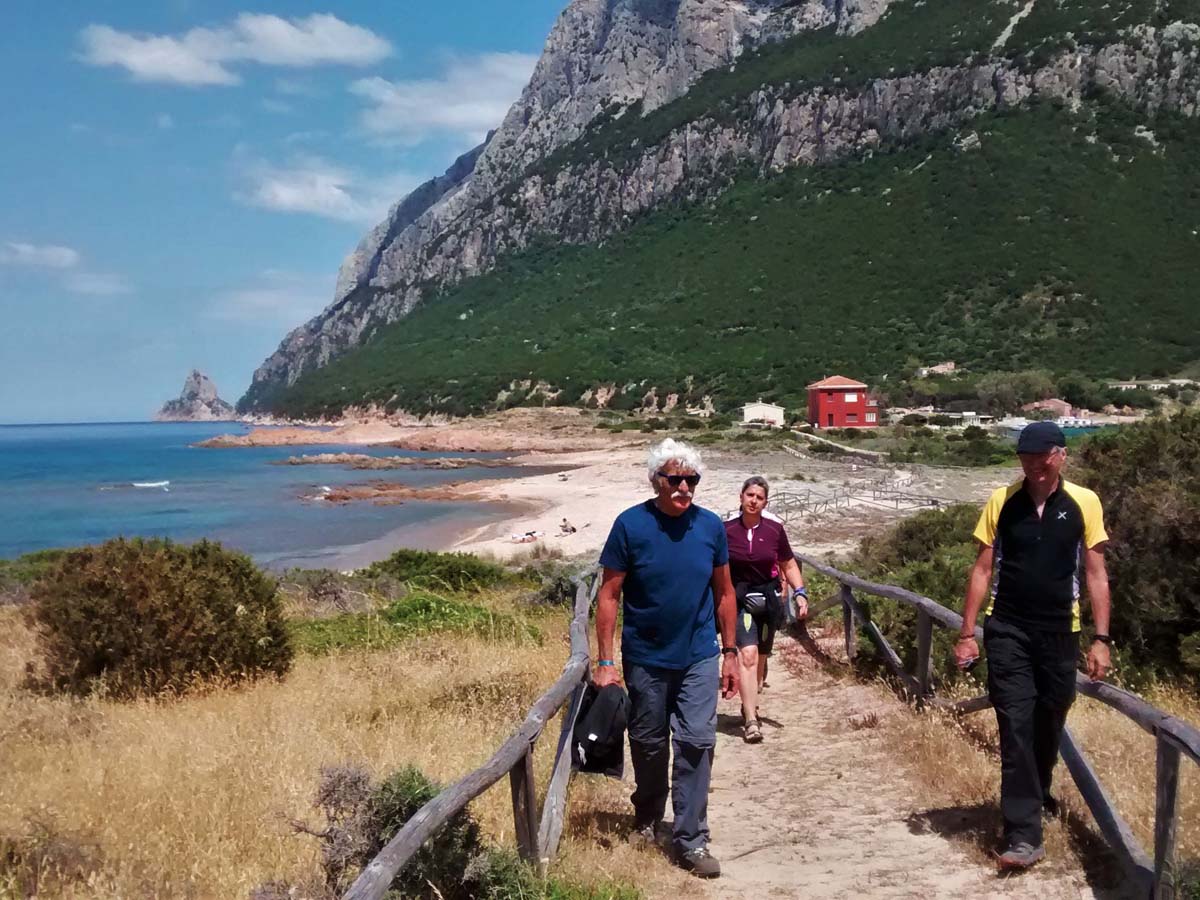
<point>600,53</point>
<point>817,98</point>
<point>1034,237</point>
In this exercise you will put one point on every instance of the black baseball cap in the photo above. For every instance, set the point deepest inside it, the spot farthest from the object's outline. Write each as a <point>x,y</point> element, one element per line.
<point>1039,437</point>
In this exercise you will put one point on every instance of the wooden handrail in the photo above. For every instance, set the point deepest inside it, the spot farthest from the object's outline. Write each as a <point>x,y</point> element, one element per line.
<point>1175,737</point>
<point>1151,719</point>
<point>514,758</point>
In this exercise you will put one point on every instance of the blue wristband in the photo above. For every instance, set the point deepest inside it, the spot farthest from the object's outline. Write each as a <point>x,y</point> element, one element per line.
<point>800,592</point>
<point>605,662</point>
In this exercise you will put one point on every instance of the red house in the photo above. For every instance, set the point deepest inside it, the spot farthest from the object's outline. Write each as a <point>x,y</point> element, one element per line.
<point>839,402</point>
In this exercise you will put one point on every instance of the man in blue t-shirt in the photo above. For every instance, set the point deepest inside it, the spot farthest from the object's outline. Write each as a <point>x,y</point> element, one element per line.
<point>670,561</point>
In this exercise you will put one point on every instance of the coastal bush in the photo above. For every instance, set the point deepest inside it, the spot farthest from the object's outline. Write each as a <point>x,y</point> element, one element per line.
<point>362,817</point>
<point>456,864</point>
<point>139,617</point>
<point>930,554</point>
<point>421,612</point>
<point>1148,478</point>
<point>453,571</point>
<point>555,582</point>
<point>30,567</point>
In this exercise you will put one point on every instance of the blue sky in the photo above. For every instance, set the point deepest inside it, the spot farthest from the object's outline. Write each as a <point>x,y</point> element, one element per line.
<point>180,179</point>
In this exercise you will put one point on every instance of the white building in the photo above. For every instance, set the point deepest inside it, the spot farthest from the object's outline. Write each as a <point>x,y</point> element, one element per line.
<point>759,412</point>
<point>946,368</point>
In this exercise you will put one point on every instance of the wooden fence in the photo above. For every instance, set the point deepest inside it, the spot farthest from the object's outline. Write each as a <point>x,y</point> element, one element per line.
<point>1154,877</point>
<point>537,841</point>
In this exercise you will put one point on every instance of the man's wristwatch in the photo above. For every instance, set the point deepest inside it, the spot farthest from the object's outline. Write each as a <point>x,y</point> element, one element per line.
<point>732,650</point>
<point>966,637</point>
<point>1102,638</point>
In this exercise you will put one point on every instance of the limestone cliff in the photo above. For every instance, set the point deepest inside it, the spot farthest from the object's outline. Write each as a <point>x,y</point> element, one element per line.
<point>197,402</point>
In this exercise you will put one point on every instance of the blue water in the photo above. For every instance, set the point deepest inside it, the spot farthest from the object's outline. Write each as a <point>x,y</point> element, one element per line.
<point>66,485</point>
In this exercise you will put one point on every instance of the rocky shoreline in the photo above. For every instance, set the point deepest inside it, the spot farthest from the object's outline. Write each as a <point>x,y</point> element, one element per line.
<point>363,461</point>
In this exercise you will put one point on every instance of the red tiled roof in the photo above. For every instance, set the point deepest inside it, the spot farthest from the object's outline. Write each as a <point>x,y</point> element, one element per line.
<point>838,381</point>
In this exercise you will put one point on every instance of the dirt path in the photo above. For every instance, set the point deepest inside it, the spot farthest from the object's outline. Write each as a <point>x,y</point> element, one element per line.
<point>819,811</point>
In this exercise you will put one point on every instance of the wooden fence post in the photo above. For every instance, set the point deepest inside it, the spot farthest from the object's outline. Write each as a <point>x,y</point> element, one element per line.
<point>848,623</point>
<point>554,806</point>
<point>924,659</point>
<point>524,798</point>
<point>1166,819</point>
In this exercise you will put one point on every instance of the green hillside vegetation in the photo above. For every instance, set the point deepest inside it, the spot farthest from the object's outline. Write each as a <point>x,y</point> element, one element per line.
<point>1063,243</point>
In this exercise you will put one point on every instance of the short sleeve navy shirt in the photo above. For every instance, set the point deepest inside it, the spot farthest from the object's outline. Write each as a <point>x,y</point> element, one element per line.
<point>668,563</point>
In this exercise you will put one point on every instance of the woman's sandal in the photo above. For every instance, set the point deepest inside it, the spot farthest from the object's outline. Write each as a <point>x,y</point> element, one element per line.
<point>752,732</point>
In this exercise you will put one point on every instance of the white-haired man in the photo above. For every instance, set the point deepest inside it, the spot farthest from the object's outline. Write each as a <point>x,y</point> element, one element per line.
<point>669,559</point>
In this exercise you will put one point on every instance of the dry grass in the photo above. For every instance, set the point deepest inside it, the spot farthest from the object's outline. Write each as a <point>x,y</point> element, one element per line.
<point>190,798</point>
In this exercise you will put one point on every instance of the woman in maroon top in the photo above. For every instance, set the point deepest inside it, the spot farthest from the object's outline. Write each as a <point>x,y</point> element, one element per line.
<point>758,550</point>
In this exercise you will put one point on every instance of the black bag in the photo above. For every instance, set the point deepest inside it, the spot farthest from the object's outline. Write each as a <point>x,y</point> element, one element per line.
<point>598,741</point>
<point>763,602</point>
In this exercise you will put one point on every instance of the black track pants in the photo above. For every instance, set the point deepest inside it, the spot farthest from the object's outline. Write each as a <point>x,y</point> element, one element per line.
<point>1031,682</point>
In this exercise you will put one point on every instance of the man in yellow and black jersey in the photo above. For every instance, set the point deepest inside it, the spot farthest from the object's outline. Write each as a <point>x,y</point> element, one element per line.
<point>1035,538</point>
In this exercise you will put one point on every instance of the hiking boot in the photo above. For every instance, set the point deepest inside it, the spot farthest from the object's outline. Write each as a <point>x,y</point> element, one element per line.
<point>700,863</point>
<point>1021,856</point>
<point>752,732</point>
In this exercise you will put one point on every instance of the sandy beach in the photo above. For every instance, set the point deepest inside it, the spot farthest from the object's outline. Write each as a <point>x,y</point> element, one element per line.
<point>603,484</point>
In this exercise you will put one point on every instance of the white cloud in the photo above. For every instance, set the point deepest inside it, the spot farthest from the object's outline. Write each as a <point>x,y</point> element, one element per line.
<point>470,97</point>
<point>310,184</point>
<point>165,121</point>
<point>42,256</point>
<point>204,56</point>
<point>276,298</point>
<point>66,261</point>
<point>97,284</point>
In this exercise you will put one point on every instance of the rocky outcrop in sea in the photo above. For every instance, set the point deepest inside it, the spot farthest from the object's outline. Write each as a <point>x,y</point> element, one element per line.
<point>198,402</point>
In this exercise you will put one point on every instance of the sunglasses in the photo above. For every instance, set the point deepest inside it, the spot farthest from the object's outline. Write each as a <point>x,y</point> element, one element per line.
<point>675,480</point>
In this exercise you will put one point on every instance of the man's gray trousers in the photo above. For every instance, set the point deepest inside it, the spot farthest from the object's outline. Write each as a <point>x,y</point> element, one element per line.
<point>680,705</point>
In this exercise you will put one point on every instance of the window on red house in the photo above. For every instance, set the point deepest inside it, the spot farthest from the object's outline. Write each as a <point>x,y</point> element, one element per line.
<point>851,418</point>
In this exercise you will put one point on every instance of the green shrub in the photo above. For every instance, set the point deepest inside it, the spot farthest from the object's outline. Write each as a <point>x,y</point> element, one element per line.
<point>418,613</point>
<point>150,616</point>
<point>456,864</point>
<point>554,580</point>
<point>930,554</point>
<point>363,817</point>
<point>1148,478</point>
<point>454,571</point>
<point>30,567</point>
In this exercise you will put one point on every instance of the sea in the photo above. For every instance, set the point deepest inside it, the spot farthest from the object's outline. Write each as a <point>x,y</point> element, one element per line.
<point>69,485</point>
